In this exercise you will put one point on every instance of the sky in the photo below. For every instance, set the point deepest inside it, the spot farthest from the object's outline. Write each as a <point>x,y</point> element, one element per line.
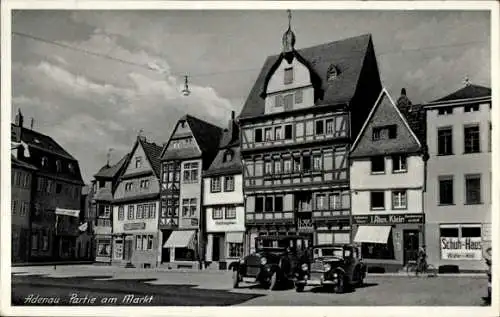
<point>89,103</point>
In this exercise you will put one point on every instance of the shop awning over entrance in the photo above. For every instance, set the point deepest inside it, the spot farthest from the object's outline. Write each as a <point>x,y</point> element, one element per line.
<point>180,239</point>
<point>372,234</point>
<point>234,237</point>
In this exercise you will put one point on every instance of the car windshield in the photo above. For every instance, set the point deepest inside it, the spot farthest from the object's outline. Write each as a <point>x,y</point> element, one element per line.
<point>337,252</point>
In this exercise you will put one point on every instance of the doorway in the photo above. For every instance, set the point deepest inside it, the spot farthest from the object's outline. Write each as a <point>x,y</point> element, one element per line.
<point>410,245</point>
<point>216,249</point>
<point>128,250</point>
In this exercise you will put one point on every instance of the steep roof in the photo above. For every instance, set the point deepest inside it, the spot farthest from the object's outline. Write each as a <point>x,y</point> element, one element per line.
<point>152,151</point>
<point>110,171</point>
<point>346,55</point>
<point>221,167</point>
<point>16,162</point>
<point>385,112</point>
<point>43,142</point>
<point>467,92</point>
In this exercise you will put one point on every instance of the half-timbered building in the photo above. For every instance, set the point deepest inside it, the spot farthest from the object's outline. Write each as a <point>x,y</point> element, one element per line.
<point>297,124</point>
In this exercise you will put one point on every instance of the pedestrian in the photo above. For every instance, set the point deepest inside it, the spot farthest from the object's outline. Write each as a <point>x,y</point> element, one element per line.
<point>421,259</point>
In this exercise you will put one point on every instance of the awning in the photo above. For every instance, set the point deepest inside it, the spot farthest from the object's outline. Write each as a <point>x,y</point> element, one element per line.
<point>67,212</point>
<point>181,239</point>
<point>234,237</point>
<point>372,234</point>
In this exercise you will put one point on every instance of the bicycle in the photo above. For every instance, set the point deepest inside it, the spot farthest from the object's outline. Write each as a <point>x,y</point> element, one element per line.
<point>413,269</point>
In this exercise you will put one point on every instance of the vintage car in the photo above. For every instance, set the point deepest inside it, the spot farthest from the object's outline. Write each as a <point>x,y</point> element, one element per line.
<point>334,266</point>
<point>272,264</point>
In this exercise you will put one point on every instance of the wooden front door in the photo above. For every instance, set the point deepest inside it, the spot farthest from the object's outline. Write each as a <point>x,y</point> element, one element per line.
<point>410,243</point>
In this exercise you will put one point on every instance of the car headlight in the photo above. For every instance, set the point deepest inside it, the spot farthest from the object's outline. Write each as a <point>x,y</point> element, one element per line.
<point>327,267</point>
<point>263,261</point>
<point>335,274</point>
<point>242,261</point>
<point>304,267</point>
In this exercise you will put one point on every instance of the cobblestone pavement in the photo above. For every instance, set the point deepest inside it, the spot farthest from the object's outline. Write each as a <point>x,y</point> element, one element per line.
<point>213,288</point>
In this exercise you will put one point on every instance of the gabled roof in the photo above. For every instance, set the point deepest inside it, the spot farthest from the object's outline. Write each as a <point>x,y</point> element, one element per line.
<point>408,142</point>
<point>346,55</point>
<point>467,92</point>
<point>221,167</point>
<point>207,135</point>
<point>43,142</point>
<point>111,171</point>
<point>152,151</point>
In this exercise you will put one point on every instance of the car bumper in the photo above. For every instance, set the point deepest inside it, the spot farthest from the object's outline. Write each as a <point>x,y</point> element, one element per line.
<point>315,282</point>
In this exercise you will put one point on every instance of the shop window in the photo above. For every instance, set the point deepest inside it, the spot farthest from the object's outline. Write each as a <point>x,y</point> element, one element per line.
<point>378,250</point>
<point>235,250</point>
<point>378,164</point>
<point>184,254</point>
<point>460,242</point>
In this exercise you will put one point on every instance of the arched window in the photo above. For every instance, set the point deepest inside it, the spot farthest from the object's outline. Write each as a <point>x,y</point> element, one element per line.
<point>44,161</point>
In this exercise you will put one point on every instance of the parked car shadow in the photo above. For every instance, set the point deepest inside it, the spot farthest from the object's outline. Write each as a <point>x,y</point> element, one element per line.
<point>322,289</point>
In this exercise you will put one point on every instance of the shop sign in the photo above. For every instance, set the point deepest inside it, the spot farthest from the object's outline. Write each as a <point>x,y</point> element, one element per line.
<point>388,219</point>
<point>194,221</point>
<point>134,226</point>
<point>225,222</point>
<point>461,248</point>
<point>305,225</point>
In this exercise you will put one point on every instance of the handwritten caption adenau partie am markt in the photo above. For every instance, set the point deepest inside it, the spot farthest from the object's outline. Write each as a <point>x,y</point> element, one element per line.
<point>77,299</point>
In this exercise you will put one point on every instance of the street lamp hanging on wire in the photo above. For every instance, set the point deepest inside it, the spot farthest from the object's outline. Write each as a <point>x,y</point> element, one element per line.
<point>186,90</point>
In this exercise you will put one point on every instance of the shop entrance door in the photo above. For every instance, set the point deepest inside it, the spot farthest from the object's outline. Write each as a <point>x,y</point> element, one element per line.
<point>216,249</point>
<point>128,250</point>
<point>410,243</point>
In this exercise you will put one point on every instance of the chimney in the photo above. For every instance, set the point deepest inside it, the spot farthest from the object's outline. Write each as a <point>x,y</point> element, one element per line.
<point>17,128</point>
<point>404,103</point>
<point>19,118</point>
<point>32,123</point>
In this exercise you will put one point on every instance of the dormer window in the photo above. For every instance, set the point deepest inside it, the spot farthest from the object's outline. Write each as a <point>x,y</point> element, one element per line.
<point>71,167</point>
<point>288,76</point>
<point>228,156</point>
<point>384,132</point>
<point>58,166</point>
<point>138,162</point>
<point>183,124</point>
<point>44,161</point>
<point>332,73</point>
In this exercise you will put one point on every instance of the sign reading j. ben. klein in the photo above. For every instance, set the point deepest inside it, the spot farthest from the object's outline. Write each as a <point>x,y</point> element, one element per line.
<point>388,219</point>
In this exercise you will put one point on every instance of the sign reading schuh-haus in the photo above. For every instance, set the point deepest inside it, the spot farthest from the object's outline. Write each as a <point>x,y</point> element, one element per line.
<point>388,219</point>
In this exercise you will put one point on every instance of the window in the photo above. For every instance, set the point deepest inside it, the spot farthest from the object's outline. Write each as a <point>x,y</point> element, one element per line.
<point>269,204</point>
<point>130,212</point>
<point>377,200</point>
<point>399,199</point>
<point>317,163</point>
<point>471,108</point>
<point>288,76</point>
<point>230,212</point>
<point>335,201</point>
<point>449,232</point>
<point>259,204</point>
<point>378,250</point>
<point>217,213</point>
<point>384,133</point>
<point>44,161</point>
<point>471,139</point>
<point>277,133</point>
<point>229,183</point>
<point>138,214</point>
<point>306,163</point>
<point>107,211</point>
<point>215,185</point>
<point>399,163</point>
<point>489,137</point>
<point>299,96</point>
<point>14,207</point>
<point>278,203</point>
<point>58,166</point>
<point>34,240</point>
<point>445,141</point>
<point>228,156</point>
<point>378,164</point>
<point>144,184</point>
<point>446,190</point>
<point>268,168</point>
<point>50,185</point>
<point>138,242</point>
<point>258,135</point>
<point>152,210</point>
<point>287,166</point>
<point>319,127</point>
<point>189,207</point>
<point>329,126</point>
<point>121,213</point>
<point>278,101</point>
<point>71,167</point>
<point>460,242</point>
<point>277,167</point>
<point>445,110</point>
<point>268,134</point>
<point>296,164</point>
<point>138,162</point>
<point>472,189</point>
<point>129,186</point>
<point>25,209</point>
<point>288,100</point>
<point>150,242</point>
<point>235,250</point>
<point>288,132</point>
<point>190,172</point>
<point>321,202</point>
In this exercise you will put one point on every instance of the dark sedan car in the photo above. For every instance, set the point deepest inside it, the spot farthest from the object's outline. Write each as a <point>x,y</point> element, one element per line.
<point>272,264</point>
<point>334,266</point>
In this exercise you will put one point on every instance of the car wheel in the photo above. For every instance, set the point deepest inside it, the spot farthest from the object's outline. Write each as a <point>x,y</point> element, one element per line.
<point>299,288</point>
<point>359,278</point>
<point>236,278</point>
<point>273,282</point>
<point>340,286</point>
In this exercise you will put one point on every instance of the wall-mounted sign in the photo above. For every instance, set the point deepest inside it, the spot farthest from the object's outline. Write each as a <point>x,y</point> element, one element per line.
<point>388,219</point>
<point>461,248</point>
<point>305,225</point>
<point>68,212</point>
<point>194,221</point>
<point>225,222</point>
<point>134,226</point>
